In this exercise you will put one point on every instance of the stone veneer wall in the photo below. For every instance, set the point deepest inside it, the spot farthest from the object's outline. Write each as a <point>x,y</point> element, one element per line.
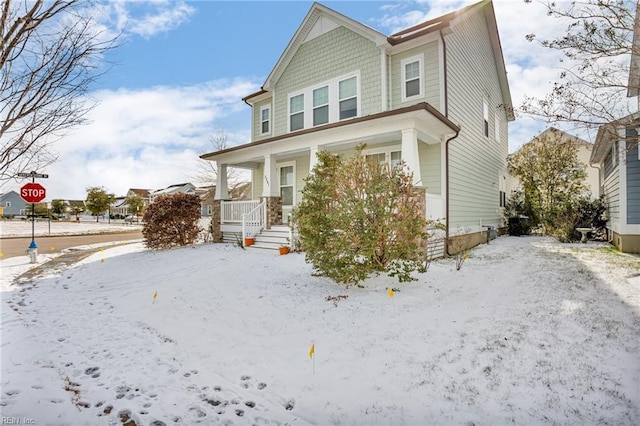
<point>274,211</point>
<point>216,231</point>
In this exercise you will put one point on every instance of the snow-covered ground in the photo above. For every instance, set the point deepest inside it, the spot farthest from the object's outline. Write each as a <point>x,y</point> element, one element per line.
<point>529,331</point>
<point>22,228</point>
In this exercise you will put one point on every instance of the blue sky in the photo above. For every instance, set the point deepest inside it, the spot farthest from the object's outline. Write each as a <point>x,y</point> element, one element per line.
<point>183,67</point>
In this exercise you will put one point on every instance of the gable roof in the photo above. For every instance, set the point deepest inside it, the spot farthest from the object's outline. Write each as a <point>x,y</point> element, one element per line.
<point>319,19</point>
<point>322,19</point>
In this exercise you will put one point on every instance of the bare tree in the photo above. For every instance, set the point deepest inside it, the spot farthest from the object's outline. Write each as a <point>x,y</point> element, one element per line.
<point>49,55</point>
<point>594,81</point>
<point>207,173</point>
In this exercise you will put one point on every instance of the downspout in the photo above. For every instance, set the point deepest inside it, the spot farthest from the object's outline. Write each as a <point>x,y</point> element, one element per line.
<point>446,144</point>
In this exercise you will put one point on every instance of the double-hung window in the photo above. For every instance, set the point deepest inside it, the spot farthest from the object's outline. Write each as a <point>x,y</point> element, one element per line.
<point>348,97</point>
<point>296,112</point>
<point>265,120</point>
<point>321,106</point>
<point>412,77</point>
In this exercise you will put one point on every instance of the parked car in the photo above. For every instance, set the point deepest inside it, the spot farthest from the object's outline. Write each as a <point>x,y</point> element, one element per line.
<point>130,219</point>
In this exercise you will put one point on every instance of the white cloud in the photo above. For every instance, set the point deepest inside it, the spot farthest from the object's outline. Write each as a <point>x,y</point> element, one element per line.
<point>145,19</point>
<point>148,138</point>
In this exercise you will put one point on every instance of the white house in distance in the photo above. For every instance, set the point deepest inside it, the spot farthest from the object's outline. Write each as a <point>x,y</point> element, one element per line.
<point>434,95</point>
<point>584,150</point>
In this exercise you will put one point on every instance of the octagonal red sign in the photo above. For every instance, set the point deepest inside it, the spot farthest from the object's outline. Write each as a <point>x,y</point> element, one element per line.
<point>33,192</point>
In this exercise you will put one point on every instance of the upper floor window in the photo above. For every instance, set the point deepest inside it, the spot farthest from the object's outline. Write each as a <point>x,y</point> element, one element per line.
<point>296,112</point>
<point>321,106</point>
<point>7,204</point>
<point>328,102</point>
<point>412,77</point>
<point>485,116</point>
<point>265,120</point>
<point>348,97</point>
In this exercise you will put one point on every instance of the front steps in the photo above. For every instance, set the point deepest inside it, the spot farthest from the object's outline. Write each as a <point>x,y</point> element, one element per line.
<point>272,239</point>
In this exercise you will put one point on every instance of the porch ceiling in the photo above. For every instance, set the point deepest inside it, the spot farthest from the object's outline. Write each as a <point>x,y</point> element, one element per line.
<point>432,128</point>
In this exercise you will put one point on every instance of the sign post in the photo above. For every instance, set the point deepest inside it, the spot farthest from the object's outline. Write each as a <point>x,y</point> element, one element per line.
<point>33,193</point>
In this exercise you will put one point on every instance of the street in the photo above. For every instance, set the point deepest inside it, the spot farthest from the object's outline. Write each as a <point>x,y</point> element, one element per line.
<point>11,247</point>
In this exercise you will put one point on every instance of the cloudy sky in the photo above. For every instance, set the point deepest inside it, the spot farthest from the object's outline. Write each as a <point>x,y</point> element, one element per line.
<point>183,67</point>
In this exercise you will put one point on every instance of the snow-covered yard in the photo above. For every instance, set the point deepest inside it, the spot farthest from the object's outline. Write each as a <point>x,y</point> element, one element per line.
<point>22,228</point>
<point>529,331</point>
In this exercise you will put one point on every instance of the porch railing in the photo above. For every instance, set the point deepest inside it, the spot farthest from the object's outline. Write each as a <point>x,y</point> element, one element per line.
<point>253,221</point>
<point>232,211</point>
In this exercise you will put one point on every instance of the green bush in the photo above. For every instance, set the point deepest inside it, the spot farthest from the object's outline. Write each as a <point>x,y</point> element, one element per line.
<point>171,221</point>
<point>357,218</point>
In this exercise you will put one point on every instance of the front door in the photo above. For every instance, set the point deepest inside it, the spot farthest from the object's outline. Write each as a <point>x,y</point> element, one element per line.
<point>286,172</point>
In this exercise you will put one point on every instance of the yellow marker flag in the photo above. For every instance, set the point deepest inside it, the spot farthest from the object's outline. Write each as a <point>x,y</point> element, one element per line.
<point>1,254</point>
<point>53,248</point>
<point>312,350</point>
<point>390,293</point>
<point>155,295</point>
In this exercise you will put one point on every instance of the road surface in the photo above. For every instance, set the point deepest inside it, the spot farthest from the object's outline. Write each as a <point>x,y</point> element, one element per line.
<point>11,247</point>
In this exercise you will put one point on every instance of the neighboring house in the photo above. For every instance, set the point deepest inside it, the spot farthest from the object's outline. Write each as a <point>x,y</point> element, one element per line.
<point>617,155</point>
<point>434,95</point>
<point>240,192</point>
<point>186,188</point>
<point>121,207</point>
<point>13,205</point>
<point>584,150</point>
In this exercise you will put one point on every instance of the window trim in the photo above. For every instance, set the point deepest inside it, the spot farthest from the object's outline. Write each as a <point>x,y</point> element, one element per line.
<point>403,73</point>
<point>268,120</point>
<point>327,104</point>
<point>289,113</point>
<point>334,100</point>
<point>496,130</point>
<point>279,166</point>
<point>7,204</point>
<point>386,150</point>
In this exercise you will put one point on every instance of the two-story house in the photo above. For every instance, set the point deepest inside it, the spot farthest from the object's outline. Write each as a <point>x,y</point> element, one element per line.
<point>617,156</point>
<point>13,205</point>
<point>434,95</point>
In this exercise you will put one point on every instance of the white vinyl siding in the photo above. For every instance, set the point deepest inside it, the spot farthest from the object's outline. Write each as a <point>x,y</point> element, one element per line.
<point>412,77</point>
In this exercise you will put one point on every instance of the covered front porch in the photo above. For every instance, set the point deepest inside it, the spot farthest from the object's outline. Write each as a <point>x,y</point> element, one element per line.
<point>280,165</point>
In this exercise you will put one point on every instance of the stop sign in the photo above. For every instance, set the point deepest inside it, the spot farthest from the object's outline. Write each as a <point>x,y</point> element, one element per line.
<point>33,192</point>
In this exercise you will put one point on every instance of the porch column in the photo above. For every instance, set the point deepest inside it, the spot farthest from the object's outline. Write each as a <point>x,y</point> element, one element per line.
<point>222,187</point>
<point>313,157</point>
<point>410,154</point>
<point>271,192</point>
<point>270,186</point>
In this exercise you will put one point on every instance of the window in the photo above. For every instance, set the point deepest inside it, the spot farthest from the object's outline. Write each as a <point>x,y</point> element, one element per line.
<point>265,119</point>
<point>321,106</point>
<point>296,112</point>
<point>485,115</point>
<point>387,155</point>
<point>209,209</point>
<point>7,204</point>
<point>286,185</point>
<point>412,77</point>
<point>348,97</point>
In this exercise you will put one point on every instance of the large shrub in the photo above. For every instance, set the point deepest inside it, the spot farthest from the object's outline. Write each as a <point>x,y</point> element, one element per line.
<point>171,221</point>
<point>357,218</point>
<point>579,213</point>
